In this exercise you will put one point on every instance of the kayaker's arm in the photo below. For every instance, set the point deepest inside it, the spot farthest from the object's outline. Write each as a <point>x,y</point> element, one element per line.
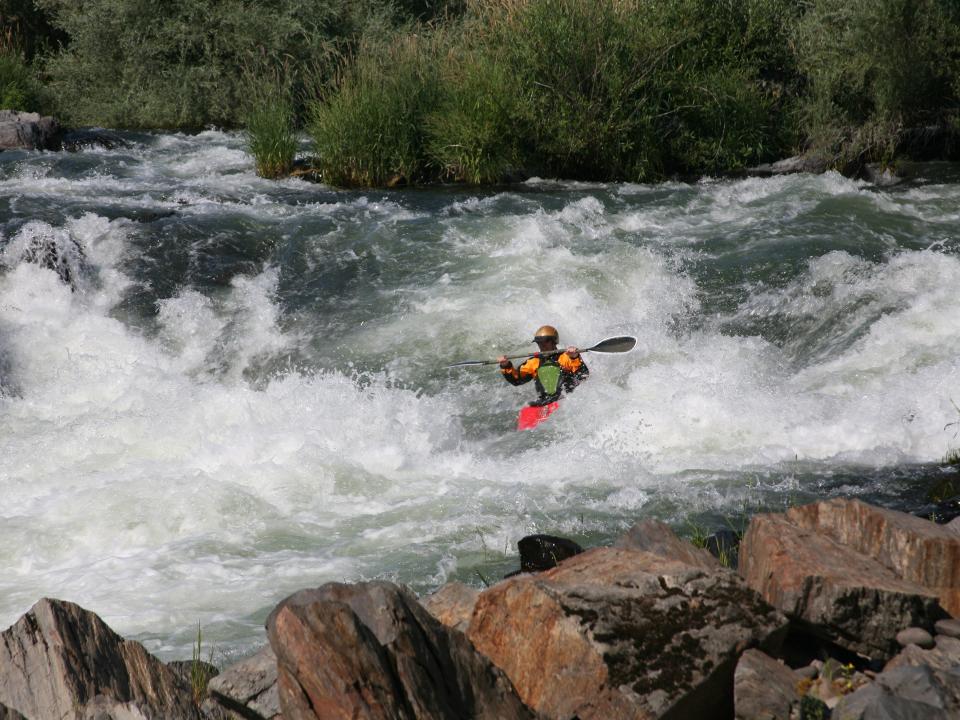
<point>517,376</point>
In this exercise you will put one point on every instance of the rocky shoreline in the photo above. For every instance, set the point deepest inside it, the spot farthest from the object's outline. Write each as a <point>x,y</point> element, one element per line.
<point>838,609</point>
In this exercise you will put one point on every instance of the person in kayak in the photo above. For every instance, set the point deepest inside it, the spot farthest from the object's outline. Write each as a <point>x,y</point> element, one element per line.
<point>554,372</point>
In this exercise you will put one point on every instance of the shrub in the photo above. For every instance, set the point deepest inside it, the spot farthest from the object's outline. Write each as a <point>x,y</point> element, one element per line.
<point>19,87</point>
<point>135,63</point>
<point>876,67</point>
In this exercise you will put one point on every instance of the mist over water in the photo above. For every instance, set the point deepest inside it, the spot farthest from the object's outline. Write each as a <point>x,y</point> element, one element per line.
<point>242,391</point>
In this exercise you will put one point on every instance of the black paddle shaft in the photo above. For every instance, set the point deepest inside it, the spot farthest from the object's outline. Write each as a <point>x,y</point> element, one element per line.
<point>619,344</point>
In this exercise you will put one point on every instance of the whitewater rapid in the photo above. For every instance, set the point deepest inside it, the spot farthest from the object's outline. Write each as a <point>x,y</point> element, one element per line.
<point>242,389</point>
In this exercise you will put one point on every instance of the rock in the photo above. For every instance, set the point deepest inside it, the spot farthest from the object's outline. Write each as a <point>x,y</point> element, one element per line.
<point>905,693</point>
<point>763,689</point>
<point>615,633</point>
<point>28,131</point>
<point>915,636</point>
<point>452,605</point>
<point>371,650</point>
<point>542,552</point>
<point>944,655</point>
<point>85,138</point>
<point>8,714</point>
<point>61,661</point>
<point>950,627</point>
<point>247,690</point>
<point>655,537</point>
<point>835,593</point>
<point>797,164</point>
<point>914,549</point>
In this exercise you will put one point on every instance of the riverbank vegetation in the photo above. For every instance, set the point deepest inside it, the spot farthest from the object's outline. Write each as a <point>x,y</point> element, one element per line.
<point>477,91</point>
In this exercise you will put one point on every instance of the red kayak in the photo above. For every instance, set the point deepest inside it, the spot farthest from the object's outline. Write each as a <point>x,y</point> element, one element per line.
<point>532,415</point>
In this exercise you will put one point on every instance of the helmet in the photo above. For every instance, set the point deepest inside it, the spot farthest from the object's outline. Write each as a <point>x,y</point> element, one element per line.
<point>547,332</point>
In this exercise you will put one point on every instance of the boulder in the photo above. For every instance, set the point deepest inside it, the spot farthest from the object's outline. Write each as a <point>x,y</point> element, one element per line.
<point>371,650</point>
<point>657,538</point>
<point>906,693</point>
<point>85,138</point>
<point>944,655</point>
<point>8,714</point>
<point>452,605</point>
<point>623,633</point>
<point>914,549</point>
<point>542,552</point>
<point>247,690</point>
<point>28,131</point>
<point>763,688</point>
<point>834,592</point>
<point>61,661</point>
<point>915,636</point>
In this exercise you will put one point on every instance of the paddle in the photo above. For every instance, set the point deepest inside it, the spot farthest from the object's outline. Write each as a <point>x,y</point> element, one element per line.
<point>619,344</point>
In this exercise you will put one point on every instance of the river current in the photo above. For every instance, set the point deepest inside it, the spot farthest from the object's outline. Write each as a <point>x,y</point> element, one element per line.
<point>216,389</point>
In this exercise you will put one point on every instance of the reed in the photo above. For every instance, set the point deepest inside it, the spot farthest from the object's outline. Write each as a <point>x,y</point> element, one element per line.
<point>269,128</point>
<point>369,128</point>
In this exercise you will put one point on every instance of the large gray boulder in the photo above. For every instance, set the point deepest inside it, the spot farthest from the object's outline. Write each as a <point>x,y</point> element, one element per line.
<point>28,131</point>
<point>61,661</point>
<point>837,593</point>
<point>763,688</point>
<point>905,693</point>
<point>624,633</point>
<point>371,651</point>
<point>247,690</point>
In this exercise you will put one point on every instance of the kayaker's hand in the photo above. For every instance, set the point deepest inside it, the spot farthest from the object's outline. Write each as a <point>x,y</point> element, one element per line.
<point>573,353</point>
<point>504,363</point>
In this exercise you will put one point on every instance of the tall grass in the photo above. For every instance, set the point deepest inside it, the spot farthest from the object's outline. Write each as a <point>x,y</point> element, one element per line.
<point>370,127</point>
<point>591,89</point>
<point>269,124</point>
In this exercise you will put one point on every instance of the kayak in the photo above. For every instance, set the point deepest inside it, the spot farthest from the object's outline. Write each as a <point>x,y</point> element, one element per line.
<point>532,415</point>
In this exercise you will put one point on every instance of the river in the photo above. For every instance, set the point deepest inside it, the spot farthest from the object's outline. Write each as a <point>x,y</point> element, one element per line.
<point>242,390</point>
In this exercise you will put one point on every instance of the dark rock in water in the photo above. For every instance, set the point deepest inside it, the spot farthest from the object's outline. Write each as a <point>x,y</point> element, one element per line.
<point>64,258</point>
<point>542,552</point>
<point>246,690</point>
<point>61,661</point>
<point>85,138</point>
<point>725,546</point>
<point>371,650</point>
<point>28,131</point>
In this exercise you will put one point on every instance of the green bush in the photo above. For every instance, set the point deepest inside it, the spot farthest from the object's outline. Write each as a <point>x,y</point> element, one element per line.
<point>875,68</point>
<point>19,87</point>
<point>179,64</point>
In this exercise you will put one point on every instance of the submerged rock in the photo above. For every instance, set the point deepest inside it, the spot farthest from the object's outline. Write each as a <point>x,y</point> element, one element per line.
<point>542,552</point>
<point>61,661</point>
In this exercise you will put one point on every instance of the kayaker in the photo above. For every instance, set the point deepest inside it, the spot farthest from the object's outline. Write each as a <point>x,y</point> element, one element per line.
<point>554,372</point>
